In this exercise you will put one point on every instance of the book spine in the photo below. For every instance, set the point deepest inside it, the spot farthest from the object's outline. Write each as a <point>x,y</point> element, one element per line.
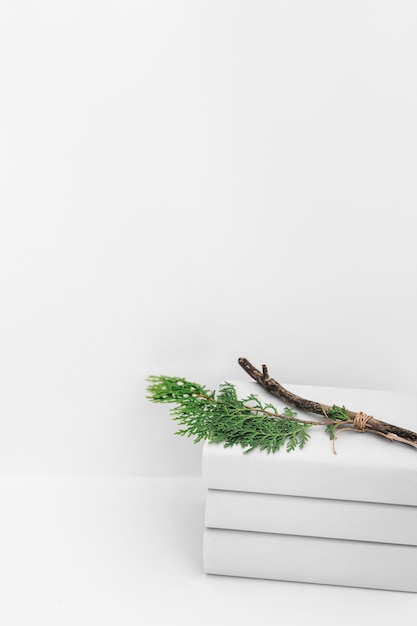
<point>311,560</point>
<point>313,517</point>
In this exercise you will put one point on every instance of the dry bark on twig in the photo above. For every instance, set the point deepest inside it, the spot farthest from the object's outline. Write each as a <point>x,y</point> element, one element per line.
<point>359,422</point>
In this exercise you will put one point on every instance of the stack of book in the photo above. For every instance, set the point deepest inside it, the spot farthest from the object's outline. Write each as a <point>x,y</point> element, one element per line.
<point>311,515</point>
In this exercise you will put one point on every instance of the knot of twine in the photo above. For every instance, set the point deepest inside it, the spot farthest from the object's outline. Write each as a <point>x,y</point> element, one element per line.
<point>360,420</point>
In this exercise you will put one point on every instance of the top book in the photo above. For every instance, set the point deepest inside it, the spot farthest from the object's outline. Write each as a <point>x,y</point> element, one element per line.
<point>366,468</point>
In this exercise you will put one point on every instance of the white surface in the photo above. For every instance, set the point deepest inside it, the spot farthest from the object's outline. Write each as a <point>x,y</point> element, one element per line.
<point>310,559</point>
<point>82,551</point>
<point>314,517</point>
<point>185,182</point>
<point>366,467</point>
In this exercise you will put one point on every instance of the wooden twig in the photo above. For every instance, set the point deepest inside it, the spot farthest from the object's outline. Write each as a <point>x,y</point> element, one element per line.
<point>358,422</point>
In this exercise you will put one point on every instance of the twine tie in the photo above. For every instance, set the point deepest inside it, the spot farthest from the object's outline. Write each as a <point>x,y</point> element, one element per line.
<point>360,420</point>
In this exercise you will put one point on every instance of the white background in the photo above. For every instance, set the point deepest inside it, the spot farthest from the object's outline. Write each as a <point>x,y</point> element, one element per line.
<point>186,182</point>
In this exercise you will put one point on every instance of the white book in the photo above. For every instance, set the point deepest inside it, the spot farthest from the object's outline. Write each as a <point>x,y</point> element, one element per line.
<point>366,468</point>
<point>314,517</point>
<point>310,559</point>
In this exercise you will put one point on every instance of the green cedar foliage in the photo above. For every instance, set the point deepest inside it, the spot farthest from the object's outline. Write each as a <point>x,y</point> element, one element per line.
<point>222,418</point>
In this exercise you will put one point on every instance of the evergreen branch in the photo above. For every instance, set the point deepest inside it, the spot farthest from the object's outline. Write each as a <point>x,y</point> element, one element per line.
<point>342,417</point>
<point>224,418</point>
